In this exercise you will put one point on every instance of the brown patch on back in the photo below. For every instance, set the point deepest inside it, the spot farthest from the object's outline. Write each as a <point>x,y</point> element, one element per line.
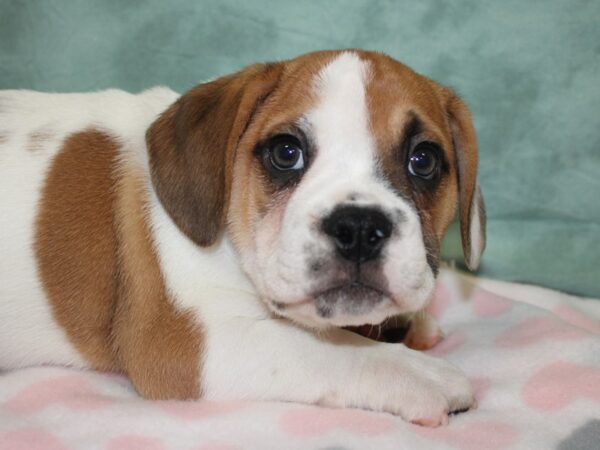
<point>76,245</point>
<point>101,274</point>
<point>159,347</point>
<point>37,139</point>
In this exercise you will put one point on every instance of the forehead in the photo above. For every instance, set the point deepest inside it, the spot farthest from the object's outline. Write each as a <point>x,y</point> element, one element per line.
<point>358,90</point>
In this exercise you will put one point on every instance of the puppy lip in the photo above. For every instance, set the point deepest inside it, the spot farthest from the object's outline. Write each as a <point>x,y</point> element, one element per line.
<point>354,287</point>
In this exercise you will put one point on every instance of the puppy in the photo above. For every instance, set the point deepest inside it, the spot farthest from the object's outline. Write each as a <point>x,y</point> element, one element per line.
<point>215,244</point>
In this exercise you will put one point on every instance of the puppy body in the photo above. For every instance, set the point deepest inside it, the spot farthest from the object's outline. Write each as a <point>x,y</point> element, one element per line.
<point>169,248</point>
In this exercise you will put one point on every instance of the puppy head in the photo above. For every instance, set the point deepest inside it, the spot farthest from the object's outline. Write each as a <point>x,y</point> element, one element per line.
<point>335,174</point>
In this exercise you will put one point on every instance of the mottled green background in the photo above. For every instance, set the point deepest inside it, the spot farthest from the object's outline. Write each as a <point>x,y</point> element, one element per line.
<point>529,69</point>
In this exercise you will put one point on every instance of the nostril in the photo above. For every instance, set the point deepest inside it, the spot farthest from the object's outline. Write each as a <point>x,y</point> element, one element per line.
<point>345,235</point>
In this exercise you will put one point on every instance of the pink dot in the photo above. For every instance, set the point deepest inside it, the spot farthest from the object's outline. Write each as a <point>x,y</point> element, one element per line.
<point>487,304</point>
<point>478,435</point>
<point>536,329</point>
<point>73,391</point>
<point>560,383</point>
<point>30,439</point>
<point>134,442</point>
<point>449,344</point>
<point>320,421</point>
<point>439,302</point>
<point>194,410</point>
<point>218,446</point>
<point>578,319</point>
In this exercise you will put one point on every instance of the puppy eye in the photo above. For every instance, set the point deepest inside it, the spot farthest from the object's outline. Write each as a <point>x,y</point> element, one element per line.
<point>424,160</point>
<point>286,154</point>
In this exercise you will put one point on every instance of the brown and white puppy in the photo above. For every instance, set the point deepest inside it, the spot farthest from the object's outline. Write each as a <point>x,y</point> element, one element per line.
<point>213,245</point>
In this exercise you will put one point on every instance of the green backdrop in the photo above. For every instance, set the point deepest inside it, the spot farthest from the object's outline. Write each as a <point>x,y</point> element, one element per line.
<point>529,69</point>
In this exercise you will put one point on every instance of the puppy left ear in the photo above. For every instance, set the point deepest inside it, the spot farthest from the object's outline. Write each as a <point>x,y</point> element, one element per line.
<point>471,206</point>
<point>192,145</point>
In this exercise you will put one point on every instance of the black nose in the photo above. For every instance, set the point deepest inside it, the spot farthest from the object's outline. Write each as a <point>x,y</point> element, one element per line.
<point>359,233</point>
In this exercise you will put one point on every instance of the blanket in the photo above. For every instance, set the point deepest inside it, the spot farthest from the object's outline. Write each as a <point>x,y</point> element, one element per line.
<point>533,356</point>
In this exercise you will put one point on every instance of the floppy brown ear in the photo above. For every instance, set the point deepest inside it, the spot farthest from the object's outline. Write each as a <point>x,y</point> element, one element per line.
<point>471,206</point>
<point>191,148</point>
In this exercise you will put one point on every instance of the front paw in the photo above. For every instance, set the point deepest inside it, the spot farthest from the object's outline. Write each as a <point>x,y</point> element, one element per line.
<point>421,389</point>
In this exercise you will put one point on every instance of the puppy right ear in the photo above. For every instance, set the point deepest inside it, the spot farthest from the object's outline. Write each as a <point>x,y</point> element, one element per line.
<point>471,206</point>
<point>191,148</point>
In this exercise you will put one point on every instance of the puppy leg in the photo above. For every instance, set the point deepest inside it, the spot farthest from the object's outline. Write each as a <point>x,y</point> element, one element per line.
<point>423,332</point>
<point>272,359</point>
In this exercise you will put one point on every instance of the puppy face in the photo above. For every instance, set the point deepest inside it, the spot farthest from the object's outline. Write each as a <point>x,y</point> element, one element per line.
<point>338,174</point>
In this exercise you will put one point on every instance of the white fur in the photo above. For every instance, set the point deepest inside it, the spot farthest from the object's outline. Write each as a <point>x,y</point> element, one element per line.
<point>29,334</point>
<point>345,164</point>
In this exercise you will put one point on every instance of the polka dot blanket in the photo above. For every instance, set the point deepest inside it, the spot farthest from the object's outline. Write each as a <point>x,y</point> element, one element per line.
<point>533,356</point>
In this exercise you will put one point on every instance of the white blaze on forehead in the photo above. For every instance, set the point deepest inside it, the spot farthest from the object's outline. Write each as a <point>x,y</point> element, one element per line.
<point>340,121</point>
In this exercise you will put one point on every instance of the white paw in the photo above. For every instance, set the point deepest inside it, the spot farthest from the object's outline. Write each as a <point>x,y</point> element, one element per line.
<point>417,387</point>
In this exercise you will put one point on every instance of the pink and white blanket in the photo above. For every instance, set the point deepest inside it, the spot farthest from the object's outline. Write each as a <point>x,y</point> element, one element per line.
<point>533,356</point>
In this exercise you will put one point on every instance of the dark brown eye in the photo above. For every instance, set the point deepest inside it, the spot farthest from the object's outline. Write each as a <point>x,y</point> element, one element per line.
<point>286,154</point>
<point>424,160</point>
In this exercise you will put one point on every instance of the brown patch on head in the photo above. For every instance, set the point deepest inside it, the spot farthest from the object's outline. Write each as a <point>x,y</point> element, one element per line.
<point>76,245</point>
<point>159,347</point>
<point>252,193</point>
<point>37,139</point>
<point>97,266</point>
<point>201,148</point>
<point>472,210</point>
<point>398,98</point>
<point>192,145</point>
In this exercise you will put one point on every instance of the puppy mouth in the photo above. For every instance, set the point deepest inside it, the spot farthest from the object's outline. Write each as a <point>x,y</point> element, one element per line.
<point>352,299</point>
<point>351,291</point>
<point>354,292</point>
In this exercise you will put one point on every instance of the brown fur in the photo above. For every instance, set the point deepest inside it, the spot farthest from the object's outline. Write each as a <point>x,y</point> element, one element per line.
<point>97,263</point>
<point>192,145</point>
<point>395,93</point>
<point>465,143</point>
<point>251,193</point>
<point>3,138</point>
<point>396,96</point>
<point>76,243</point>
